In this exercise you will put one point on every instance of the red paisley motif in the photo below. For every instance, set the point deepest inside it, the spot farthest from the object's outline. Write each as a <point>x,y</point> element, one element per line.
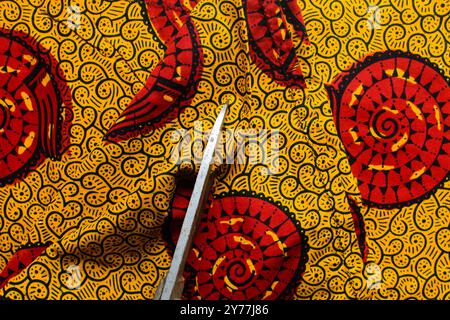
<point>271,45</point>
<point>19,261</point>
<point>168,16</point>
<point>174,80</point>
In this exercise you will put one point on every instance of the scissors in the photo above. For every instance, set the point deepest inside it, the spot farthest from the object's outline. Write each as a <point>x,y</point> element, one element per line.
<point>171,287</point>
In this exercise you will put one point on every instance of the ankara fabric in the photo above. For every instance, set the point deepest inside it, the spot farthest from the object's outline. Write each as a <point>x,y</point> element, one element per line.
<point>355,95</point>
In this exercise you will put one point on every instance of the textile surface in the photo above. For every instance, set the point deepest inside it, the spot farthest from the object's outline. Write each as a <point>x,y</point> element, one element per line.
<point>348,197</point>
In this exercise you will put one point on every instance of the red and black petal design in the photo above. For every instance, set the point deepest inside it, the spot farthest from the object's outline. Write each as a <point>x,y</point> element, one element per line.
<point>271,45</point>
<point>33,96</point>
<point>392,112</point>
<point>245,248</point>
<point>20,260</point>
<point>294,16</point>
<point>177,213</point>
<point>169,16</point>
<point>360,229</point>
<point>173,82</point>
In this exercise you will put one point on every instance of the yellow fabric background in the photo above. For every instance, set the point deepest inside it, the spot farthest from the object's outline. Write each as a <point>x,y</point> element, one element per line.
<point>103,205</point>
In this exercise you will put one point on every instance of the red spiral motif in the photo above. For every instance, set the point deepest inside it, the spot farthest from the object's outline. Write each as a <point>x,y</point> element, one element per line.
<point>31,102</point>
<point>392,114</point>
<point>246,248</point>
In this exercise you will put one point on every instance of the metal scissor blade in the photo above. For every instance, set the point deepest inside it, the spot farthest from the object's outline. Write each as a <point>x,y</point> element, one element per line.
<point>172,285</point>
